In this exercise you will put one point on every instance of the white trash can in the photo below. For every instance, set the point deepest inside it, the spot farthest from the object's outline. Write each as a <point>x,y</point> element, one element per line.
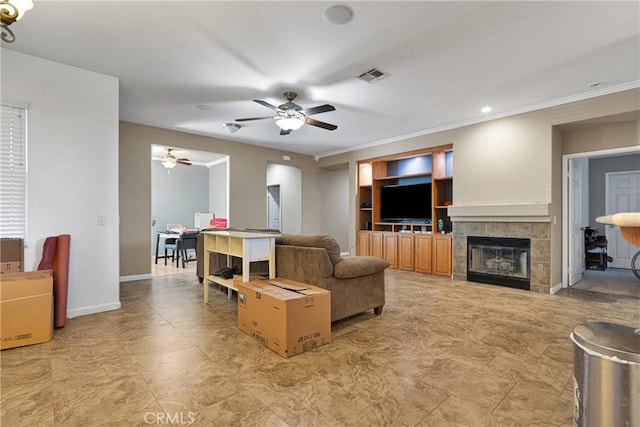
<point>606,374</point>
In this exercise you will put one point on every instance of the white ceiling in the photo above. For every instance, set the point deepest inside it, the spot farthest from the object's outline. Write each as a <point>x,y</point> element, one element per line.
<point>446,60</point>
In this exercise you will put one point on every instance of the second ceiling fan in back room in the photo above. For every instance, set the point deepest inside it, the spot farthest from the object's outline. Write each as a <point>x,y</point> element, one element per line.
<point>170,161</point>
<point>291,116</point>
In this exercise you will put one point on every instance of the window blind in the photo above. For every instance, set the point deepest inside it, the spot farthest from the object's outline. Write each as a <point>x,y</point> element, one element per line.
<point>13,171</point>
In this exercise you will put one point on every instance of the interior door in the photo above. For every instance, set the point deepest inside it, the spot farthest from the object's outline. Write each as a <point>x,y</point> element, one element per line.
<point>622,195</point>
<point>274,211</point>
<point>578,202</point>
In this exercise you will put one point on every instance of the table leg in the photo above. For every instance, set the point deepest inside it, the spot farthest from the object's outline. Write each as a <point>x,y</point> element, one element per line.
<point>272,259</point>
<point>157,245</point>
<point>205,282</point>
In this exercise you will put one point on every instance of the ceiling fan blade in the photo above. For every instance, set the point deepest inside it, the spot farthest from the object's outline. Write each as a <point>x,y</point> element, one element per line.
<point>266,104</point>
<point>318,123</point>
<point>184,162</point>
<point>284,132</point>
<point>319,109</point>
<point>254,118</point>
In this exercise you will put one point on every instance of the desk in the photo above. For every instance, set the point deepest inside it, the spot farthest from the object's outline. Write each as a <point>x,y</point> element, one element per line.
<point>164,235</point>
<point>248,246</point>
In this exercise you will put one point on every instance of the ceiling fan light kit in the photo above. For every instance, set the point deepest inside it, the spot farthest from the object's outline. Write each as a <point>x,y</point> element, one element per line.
<point>11,12</point>
<point>291,122</point>
<point>169,164</point>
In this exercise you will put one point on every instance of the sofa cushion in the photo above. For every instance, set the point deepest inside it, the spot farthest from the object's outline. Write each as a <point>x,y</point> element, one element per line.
<point>315,241</point>
<point>357,266</point>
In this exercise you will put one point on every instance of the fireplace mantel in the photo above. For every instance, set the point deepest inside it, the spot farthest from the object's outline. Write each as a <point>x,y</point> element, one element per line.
<point>522,212</point>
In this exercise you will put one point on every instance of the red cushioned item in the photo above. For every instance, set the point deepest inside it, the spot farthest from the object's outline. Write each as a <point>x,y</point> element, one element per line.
<point>55,257</point>
<point>48,253</point>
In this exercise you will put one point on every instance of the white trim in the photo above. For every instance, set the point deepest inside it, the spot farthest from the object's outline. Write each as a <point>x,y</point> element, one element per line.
<point>500,212</point>
<point>135,277</point>
<point>92,309</point>
<point>556,288</point>
<point>525,109</point>
<point>217,162</point>
<point>565,201</point>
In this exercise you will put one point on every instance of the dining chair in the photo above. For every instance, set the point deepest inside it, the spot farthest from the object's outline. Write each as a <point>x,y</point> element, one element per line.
<point>187,241</point>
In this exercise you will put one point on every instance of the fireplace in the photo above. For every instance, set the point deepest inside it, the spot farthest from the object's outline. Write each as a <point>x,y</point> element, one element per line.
<point>499,260</point>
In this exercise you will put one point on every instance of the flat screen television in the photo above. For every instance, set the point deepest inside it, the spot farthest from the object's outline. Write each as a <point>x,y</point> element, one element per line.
<point>406,203</point>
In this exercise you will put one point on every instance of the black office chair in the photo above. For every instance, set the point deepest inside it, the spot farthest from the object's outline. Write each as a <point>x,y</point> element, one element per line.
<point>187,241</point>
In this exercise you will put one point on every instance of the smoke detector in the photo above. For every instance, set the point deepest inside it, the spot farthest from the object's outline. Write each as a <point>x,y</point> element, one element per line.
<point>338,14</point>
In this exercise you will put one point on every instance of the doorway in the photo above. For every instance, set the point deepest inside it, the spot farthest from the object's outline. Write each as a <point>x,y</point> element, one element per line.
<point>284,198</point>
<point>179,196</point>
<point>587,194</point>
<point>274,211</point>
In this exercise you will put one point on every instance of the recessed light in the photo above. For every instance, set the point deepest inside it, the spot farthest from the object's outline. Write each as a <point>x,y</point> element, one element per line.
<point>204,107</point>
<point>486,109</point>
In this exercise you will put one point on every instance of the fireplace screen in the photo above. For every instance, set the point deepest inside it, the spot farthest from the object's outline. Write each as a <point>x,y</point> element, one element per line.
<point>501,261</point>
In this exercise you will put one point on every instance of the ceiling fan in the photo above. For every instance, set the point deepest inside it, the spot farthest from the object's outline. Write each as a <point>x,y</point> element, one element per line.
<point>170,161</point>
<point>291,116</point>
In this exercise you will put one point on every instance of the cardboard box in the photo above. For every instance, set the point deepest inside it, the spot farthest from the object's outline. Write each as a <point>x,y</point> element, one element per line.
<point>26,308</point>
<point>11,255</point>
<point>288,317</point>
<point>10,267</point>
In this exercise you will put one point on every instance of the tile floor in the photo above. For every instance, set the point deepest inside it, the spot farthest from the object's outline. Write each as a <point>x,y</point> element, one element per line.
<point>618,281</point>
<point>443,353</point>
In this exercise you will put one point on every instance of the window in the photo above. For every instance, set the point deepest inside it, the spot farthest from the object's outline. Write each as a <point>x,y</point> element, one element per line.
<point>13,170</point>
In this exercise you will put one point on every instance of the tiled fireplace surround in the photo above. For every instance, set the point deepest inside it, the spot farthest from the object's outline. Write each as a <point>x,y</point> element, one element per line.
<point>538,232</point>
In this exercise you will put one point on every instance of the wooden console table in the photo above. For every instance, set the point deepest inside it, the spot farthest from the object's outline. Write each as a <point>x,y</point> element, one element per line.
<point>248,246</point>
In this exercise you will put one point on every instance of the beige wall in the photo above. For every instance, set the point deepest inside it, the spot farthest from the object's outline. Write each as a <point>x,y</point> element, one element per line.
<point>504,161</point>
<point>247,178</point>
<point>511,160</point>
<point>600,136</point>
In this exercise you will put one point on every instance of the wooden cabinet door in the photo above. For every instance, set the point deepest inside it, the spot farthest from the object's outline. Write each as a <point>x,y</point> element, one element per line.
<point>441,255</point>
<point>391,249</point>
<point>377,245</point>
<point>405,251</point>
<point>364,243</point>
<point>423,244</point>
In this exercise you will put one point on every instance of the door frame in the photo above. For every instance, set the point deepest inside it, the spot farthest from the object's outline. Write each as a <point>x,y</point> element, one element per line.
<point>567,197</point>
<point>575,166</point>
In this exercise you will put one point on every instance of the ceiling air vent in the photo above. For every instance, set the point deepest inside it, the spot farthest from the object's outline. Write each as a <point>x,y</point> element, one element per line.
<point>373,75</point>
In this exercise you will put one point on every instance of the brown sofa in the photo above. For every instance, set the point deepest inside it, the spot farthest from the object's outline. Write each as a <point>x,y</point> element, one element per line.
<point>356,282</point>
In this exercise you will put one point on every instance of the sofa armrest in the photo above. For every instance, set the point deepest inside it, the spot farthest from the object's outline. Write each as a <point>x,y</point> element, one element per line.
<point>358,266</point>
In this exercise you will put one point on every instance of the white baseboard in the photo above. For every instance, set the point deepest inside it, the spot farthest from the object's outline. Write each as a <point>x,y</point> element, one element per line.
<point>75,312</point>
<point>555,288</point>
<point>135,277</point>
